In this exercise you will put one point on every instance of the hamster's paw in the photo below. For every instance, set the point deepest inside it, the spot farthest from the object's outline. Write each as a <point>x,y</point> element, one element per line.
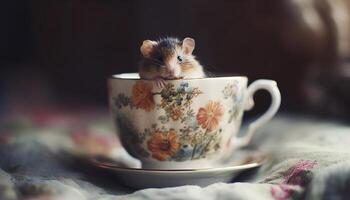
<point>160,83</point>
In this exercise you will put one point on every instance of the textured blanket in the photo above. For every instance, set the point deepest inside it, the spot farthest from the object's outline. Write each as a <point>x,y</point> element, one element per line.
<point>306,159</point>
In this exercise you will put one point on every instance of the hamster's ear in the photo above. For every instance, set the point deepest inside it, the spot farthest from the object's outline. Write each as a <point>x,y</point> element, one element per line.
<point>147,47</point>
<point>188,45</point>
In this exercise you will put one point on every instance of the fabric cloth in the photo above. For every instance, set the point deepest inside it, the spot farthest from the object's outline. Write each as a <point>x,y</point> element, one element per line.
<point>39,159</point>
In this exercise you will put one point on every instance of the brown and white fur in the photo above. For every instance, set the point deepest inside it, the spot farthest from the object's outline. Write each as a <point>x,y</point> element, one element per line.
<point>169,58</point>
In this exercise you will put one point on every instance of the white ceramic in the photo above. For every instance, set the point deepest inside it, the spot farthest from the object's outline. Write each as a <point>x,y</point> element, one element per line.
<point>150,178</point>
<point>189,123</point>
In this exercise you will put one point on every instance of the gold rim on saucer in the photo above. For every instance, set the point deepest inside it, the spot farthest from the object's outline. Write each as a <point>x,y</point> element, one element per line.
<point>249,162</point>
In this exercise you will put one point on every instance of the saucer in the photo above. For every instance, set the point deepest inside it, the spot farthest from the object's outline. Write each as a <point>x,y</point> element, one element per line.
<point>139,178</point>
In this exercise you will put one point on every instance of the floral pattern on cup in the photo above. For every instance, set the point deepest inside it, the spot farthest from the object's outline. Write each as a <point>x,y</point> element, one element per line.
<point>176,102</point>
<point>232,91</point>
<point>189,143</point>
<point>200,135</point>
<point>142,96</point>
<point>163,145</point>
<point>209,116</point>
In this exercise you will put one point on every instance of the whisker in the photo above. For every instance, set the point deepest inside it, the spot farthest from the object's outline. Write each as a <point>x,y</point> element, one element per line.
<point>209,73</point>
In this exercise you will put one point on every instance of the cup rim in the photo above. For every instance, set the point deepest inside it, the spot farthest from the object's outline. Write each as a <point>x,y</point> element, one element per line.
<point>136,77</point>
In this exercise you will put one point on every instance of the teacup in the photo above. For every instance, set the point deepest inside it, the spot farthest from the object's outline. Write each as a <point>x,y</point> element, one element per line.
<point>187,124</point>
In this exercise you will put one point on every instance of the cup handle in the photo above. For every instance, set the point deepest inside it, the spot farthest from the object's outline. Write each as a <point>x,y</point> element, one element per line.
<point>271,87</point>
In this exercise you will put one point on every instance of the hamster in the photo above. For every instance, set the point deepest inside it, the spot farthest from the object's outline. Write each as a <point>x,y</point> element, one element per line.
<point>169,58</point>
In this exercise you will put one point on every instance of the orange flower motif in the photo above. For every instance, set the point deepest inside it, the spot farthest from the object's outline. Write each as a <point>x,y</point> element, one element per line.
<point>142,96</point>
<point>209,116</point>
<point>163,145</point>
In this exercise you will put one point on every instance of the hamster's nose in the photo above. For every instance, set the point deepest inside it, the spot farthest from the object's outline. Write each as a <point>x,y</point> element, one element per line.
<point>171,71</point>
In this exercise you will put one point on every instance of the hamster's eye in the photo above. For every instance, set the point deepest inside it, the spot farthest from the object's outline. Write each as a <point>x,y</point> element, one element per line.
<point>179,58</point>
<point>160,58</point>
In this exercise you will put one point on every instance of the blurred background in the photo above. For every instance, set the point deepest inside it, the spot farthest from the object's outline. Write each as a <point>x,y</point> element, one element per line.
<point>58,54</point>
